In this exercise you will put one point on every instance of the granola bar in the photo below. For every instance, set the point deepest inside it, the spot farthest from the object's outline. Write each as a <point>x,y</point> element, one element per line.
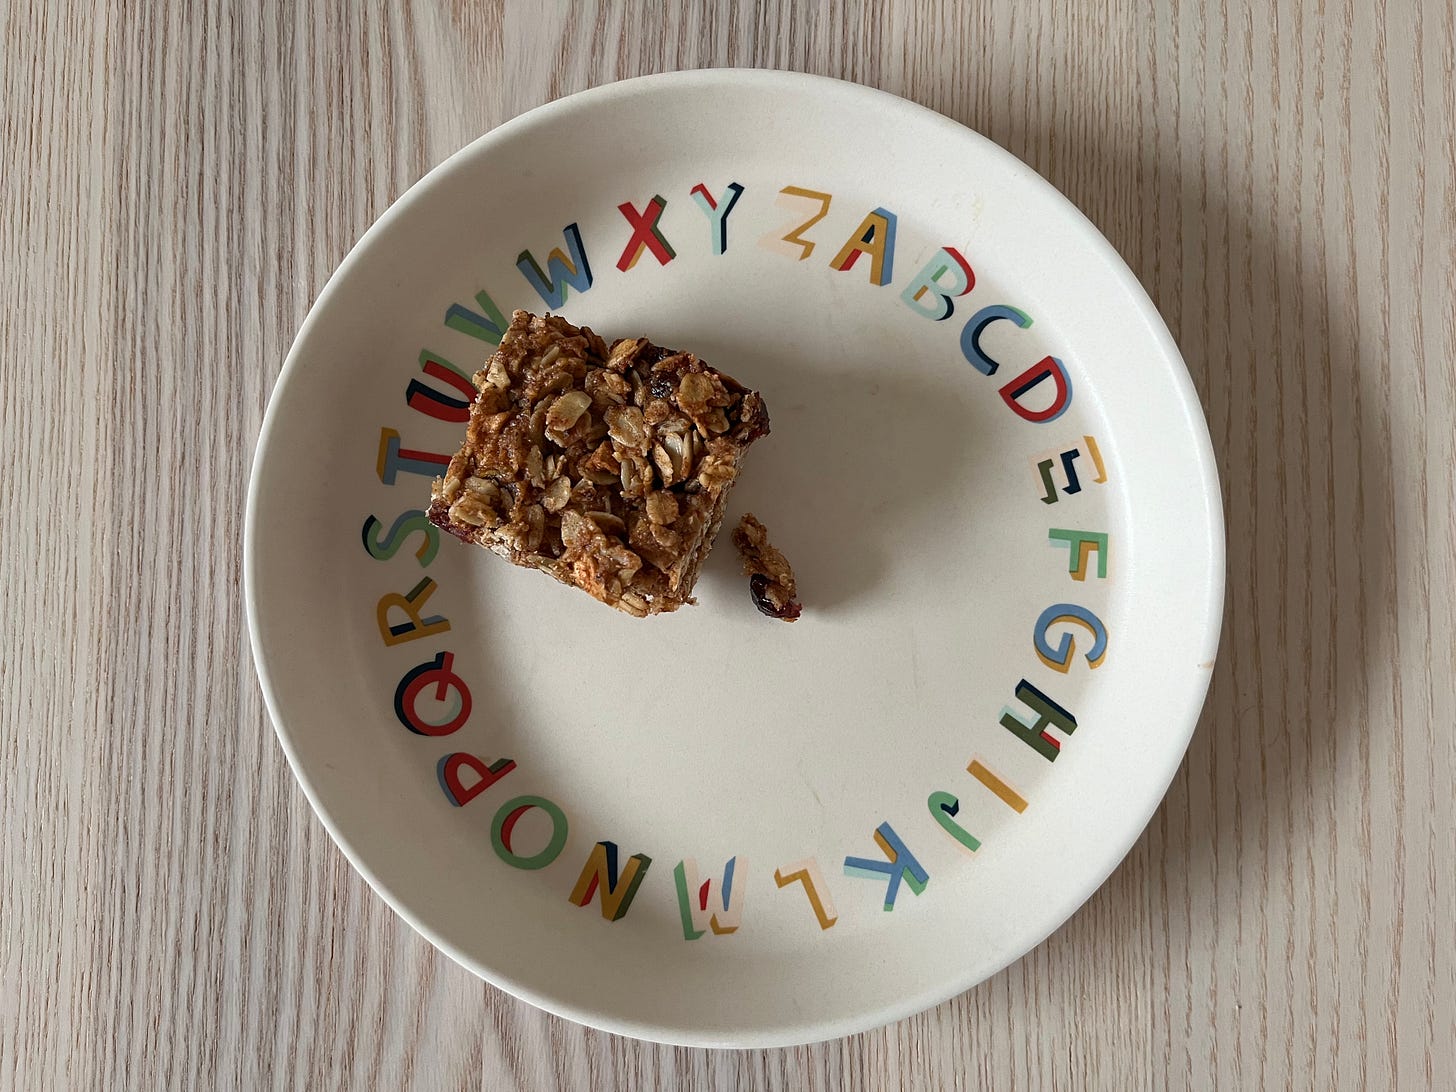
<point>607,467</point>
<point>770,579</point>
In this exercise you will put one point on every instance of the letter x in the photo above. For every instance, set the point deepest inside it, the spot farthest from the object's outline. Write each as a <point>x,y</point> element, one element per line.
<point>645,234</point>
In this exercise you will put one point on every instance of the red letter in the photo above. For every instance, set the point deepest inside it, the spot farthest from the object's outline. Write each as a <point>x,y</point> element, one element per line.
<point>645,234</point>
<point>1047,367</point>
<point>439,673</point>
<point>459,793</point>
<point>430,401</point>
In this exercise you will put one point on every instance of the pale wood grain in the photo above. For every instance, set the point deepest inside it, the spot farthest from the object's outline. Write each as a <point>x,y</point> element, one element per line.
<point>178,180</point>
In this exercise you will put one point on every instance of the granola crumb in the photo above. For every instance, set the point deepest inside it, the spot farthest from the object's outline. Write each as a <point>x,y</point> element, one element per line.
<point>770,579</point>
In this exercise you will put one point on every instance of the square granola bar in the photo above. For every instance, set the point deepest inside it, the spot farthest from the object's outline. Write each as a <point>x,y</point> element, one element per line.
<point>607,467</point>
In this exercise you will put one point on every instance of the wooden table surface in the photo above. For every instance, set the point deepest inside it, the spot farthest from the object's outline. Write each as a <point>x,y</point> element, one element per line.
<point>179,179</point>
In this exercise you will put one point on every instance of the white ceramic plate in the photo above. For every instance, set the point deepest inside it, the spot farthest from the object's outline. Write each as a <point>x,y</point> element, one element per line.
<point>987,464</point>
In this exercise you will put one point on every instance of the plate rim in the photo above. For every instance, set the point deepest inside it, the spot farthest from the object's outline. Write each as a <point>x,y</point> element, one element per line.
<point>1195,429</point>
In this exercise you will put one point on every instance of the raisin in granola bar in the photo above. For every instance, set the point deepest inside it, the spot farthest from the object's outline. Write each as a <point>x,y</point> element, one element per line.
<point>608,468</point>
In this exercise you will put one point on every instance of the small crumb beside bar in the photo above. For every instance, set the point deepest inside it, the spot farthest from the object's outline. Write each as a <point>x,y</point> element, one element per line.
<point>607,467</point>
<point>770,580</point>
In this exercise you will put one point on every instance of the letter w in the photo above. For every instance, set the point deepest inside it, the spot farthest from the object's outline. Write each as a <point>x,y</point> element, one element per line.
<point>569,268</point>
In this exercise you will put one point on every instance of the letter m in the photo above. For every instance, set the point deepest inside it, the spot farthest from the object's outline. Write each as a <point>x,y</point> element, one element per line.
<point>694,900</point>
